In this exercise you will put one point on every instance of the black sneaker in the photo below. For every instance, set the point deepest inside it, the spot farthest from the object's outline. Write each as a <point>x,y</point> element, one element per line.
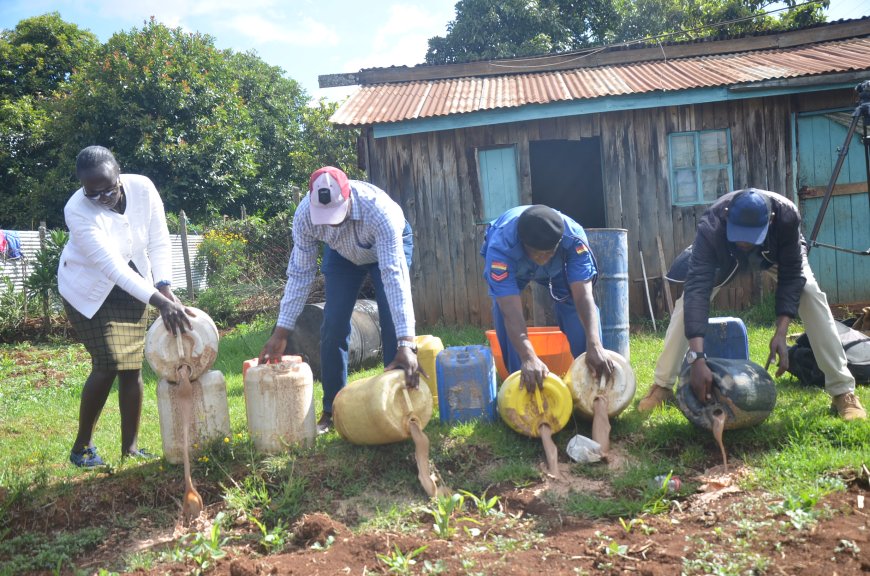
<point>86,458</point>
<point>324,425</point>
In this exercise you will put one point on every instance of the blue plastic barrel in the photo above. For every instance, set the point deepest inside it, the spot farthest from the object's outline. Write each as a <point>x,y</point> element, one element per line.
<point>610,247</point>
<point>726,338</point>
<point>466,384</point>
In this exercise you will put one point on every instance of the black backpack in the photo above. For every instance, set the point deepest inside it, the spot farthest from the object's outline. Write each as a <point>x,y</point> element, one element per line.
<point>802,362</point>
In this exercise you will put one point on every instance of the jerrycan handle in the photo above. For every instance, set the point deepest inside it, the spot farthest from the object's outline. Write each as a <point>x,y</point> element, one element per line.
<point>408,400</point>
<point>539,400</point>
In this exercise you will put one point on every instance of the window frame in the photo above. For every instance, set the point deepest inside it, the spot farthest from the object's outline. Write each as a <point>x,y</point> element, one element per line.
<point>699,168</point>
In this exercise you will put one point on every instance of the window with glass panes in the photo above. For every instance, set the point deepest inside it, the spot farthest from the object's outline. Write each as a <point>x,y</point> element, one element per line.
<point>700,165</point>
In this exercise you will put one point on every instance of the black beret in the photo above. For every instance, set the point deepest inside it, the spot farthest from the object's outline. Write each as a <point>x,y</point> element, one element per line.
<point>540,227</point>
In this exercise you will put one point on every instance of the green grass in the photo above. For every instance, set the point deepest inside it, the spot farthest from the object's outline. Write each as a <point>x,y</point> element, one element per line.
<point>796,453</point>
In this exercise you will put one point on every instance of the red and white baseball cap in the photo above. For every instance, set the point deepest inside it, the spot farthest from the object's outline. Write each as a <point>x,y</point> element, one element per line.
<point>328,194</point>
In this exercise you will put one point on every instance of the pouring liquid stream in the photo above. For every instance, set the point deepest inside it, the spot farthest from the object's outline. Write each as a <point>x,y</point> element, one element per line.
<point>421,452</point>
<point>192,504</point>
<point>717,416</point>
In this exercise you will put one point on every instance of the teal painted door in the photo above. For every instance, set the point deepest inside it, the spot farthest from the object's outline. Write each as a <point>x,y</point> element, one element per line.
<point>844,277</point>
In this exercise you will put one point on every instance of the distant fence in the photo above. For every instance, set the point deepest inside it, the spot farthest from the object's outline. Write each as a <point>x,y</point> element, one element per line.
<point>19,269</point>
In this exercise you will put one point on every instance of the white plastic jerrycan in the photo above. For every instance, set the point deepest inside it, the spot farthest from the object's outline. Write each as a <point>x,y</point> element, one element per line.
<point>210,414</point>
<point>279,402</point>
<point>619,388</point>
<point>200,347</point>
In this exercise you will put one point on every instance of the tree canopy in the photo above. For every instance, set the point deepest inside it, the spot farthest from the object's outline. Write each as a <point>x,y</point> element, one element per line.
<point>213,129</point>
<point>492,29</point>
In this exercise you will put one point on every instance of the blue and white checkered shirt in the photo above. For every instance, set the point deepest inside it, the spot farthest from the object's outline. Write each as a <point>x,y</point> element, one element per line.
<point>372,233</point>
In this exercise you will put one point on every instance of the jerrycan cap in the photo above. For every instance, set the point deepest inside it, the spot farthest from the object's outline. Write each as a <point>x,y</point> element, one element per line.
<point>619,388</point>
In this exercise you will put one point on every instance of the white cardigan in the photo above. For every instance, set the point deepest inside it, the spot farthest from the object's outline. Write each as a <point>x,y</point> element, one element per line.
<point>102,242</point>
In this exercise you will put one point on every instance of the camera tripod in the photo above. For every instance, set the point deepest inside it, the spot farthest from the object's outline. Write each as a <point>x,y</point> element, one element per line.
<point>861,111</point>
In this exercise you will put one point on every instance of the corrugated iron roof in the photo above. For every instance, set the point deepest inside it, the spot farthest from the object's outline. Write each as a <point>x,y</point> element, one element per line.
<point>400,101</point>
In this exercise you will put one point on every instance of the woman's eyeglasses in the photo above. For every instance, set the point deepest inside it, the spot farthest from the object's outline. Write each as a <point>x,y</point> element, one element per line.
<point>103,194</point>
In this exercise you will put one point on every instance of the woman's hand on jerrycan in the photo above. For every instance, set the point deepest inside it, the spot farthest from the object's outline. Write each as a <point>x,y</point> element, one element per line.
<point>173,313</point>
<point>274,348</point>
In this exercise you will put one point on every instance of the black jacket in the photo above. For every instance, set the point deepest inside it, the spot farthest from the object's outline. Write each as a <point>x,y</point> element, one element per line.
<point>783,247</point>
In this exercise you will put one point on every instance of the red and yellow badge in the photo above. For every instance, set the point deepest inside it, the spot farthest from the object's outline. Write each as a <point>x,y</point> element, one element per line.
<point>581,248</point>
<point>498,271</point>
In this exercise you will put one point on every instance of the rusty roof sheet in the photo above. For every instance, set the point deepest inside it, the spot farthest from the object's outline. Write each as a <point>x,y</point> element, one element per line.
<point>396,102</point>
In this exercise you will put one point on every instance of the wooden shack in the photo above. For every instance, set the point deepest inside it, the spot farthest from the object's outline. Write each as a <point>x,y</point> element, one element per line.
<point>641,139</point>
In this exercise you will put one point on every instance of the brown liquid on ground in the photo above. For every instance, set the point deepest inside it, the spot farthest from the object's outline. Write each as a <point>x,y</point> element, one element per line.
<point>191,505</point>
<point>550,451</point>
<point>601,425</point>
<point>718,418</point>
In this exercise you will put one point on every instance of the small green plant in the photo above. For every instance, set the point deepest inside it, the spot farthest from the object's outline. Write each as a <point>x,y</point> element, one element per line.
<point>202,548</point>
<point>442,513</point>
<point>330,540</point>
<point>272,540</point>
<point>436,567</point>
<point>248,496</point>
<point>398,562</point>
<point>484,506</point>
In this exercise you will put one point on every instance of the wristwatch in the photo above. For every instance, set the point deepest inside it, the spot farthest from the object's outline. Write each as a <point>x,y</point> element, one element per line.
<point>407,344</point>
<point>691,356</point>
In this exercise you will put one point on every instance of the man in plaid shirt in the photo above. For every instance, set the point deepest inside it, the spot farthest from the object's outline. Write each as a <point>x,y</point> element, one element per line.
<point>364,232</point>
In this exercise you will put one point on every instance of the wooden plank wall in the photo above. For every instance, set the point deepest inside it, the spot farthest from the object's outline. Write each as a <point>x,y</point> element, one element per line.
<point>433,176</point>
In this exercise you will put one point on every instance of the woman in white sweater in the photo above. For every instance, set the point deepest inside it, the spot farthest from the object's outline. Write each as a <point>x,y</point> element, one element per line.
<point>118,260</point>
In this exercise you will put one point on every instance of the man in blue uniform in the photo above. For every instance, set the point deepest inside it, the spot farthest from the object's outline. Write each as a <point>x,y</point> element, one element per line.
<point>537,243</point>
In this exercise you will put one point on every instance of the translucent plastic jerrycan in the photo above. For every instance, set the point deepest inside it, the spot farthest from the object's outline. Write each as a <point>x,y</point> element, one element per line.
<point>741,388</point>
<point>378,409</point>
<point>279,402</point>
<point>200,347</point>
<point>524,412</point>
<point>619,388</point>
<point>466,384</point>
<point>210,414</point>
<point>428,348</point>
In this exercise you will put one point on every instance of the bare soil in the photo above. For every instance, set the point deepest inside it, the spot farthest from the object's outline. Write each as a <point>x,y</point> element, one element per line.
<point>716,526</point>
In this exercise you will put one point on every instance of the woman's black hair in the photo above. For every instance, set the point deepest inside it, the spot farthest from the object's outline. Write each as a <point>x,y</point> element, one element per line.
<point>92,157</point>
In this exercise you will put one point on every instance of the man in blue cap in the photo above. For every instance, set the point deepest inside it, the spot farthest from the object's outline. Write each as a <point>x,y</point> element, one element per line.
<point>745,230</point>
<point>537,243</point>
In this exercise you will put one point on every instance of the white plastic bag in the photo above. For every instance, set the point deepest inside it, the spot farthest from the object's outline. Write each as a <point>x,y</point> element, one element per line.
<point>583,449</point>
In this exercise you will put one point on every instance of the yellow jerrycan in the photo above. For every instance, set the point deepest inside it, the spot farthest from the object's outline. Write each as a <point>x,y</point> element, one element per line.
<point>378,409</point>
<point>618,389</point>
<point>524,412</point>
<point>279,404</point>
<point>428,348</point>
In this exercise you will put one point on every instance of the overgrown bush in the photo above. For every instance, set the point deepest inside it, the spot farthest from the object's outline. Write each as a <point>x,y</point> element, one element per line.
<point>42,281</point>
<point>245,262</point>
<point>13,310</point>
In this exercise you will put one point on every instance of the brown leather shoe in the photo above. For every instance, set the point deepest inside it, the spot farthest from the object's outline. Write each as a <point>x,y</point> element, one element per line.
<point>848,407</point>
<point>657,396</point>
<point>324,425</point>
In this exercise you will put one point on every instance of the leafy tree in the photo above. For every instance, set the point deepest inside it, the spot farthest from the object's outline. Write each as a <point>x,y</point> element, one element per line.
<point>277,107</point>
<point>40,56</point>
<point>323,144</point>
<point>166,103</point>
<point>489,29</point>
